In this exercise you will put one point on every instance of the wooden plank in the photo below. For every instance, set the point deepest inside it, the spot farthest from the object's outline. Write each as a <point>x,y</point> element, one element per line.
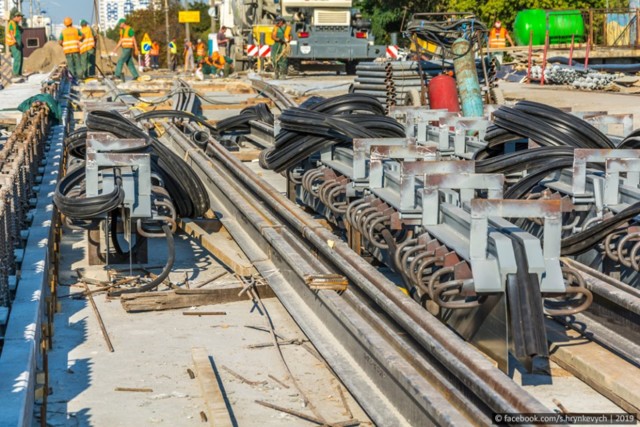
<point>610,375</point>
<point>185,298</point>
<point>220,244</point>
<point>217,413</point>
<point>246,155</point>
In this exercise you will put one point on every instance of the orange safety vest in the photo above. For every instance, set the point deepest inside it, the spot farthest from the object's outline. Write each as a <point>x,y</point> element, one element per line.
<point>11,33</point>
<point>217,60</point>
<point>70,40</point>
<point>498,38</point>
<point>200,49</point>
<point>155,49</point>
<point>89,42</point>
<point>127,42</point>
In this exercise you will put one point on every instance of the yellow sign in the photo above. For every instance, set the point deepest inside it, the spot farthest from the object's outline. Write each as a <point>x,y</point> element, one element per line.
<point>189,16</point>
<point>145,44</point>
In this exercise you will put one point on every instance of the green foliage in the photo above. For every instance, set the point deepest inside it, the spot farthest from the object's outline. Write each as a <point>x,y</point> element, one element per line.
<point>387,16</point>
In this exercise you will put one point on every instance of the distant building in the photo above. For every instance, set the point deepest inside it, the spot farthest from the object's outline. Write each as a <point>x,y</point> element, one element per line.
<point>112,10</point>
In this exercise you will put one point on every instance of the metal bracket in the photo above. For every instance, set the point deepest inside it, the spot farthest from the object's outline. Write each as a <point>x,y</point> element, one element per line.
<point>614,167</point>
<point>550,210</point>
<point>582,156</point>
<point>463,180</point>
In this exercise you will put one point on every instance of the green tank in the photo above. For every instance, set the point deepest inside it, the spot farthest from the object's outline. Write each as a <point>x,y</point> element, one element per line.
<point>562,25</point>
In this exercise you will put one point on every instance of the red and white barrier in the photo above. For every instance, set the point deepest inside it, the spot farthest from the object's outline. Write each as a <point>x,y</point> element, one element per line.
<point>392,52</point>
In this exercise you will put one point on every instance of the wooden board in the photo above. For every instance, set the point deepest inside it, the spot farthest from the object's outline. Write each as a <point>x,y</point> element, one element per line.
<point>219,243</point>
<point>217,413</point>
<point>185,298</point>
<point>607,373</point>
<point>246,155</point>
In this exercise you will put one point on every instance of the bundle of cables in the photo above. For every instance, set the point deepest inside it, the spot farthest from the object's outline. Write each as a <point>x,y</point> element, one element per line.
<point>338,120</point>
<point>240,123</point>
<point>443,33</point>
<point>559,133</point>
<point>184,187</point>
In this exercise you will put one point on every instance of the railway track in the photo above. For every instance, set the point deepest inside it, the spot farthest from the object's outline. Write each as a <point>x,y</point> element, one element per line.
<point>404,365</point>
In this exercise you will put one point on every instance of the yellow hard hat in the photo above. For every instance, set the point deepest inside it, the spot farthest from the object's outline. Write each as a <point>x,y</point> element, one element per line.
<point>67,21</point>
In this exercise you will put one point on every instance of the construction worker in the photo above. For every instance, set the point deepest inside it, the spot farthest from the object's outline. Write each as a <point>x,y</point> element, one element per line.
<point>223,41</point>
<point>281,36</point>
<point>189,65</point>
<point>201,51</point>
<point>173,50</point>
<point>14,40</point>
<point>216,64</point>
<point>70,39</point>
<point>87,50</point>
<point>498,37</point>
<point>155,55</point>
<point>129,48</point>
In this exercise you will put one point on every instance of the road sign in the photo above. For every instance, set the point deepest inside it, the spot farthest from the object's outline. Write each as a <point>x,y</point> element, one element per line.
<point>212,12</point>
<point>145,44</point>
<point>189,16</point>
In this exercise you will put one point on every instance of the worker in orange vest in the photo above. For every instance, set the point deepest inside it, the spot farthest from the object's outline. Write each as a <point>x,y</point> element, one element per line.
<point>498,37</point>
<point>201,51</point>
<point>155,55</point>
<point>129,48</point>
<point>87,50</point>
<point>70,39</point>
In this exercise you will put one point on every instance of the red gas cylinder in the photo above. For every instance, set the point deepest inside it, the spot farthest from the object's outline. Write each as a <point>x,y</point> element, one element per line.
<point>443,94</point>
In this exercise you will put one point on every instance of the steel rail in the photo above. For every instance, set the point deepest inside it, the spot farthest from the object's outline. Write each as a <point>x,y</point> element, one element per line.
<point>480,379</point>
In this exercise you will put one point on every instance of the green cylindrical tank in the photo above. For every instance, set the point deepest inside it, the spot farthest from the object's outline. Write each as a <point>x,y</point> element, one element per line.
<point>562,25</point>
<point>526,21</point>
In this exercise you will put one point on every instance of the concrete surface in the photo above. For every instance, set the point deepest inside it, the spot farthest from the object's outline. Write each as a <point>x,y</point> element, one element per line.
<point>153,350</point>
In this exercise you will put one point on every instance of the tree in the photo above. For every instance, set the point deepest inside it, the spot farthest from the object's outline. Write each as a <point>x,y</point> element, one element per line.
<point>387,16</point>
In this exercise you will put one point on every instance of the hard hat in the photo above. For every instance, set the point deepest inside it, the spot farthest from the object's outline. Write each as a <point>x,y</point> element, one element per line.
<point>68,21</point>
<point>83,22</point>
<point>15,12</point>
<point>120,22</point>
<point>199,40</point>
<point>279,19</point>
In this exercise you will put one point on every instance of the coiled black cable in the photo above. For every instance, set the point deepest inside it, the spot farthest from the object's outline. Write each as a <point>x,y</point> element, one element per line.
<point>185,188</point>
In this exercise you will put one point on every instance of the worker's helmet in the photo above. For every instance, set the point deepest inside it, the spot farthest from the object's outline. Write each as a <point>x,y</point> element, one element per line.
<point>67,21</point>
<point>83,22</point>
<point>15,12</point>
<point>279,19</point>
<point>121,22</point>
<point>199,40</point>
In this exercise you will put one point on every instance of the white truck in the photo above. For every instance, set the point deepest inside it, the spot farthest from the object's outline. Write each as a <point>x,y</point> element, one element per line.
<point>322,30</point>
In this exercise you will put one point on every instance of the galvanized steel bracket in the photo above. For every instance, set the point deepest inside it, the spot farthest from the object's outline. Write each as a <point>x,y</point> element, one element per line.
<point>550,210</point>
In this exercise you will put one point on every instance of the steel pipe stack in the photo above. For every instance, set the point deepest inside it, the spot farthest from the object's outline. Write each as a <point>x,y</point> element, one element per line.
<point>389,82</point>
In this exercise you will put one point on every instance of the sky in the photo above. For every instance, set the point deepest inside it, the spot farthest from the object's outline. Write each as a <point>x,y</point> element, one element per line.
<point>57,10</point>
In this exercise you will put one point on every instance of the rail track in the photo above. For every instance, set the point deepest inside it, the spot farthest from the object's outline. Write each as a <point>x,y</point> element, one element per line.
<point>404,365</point>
